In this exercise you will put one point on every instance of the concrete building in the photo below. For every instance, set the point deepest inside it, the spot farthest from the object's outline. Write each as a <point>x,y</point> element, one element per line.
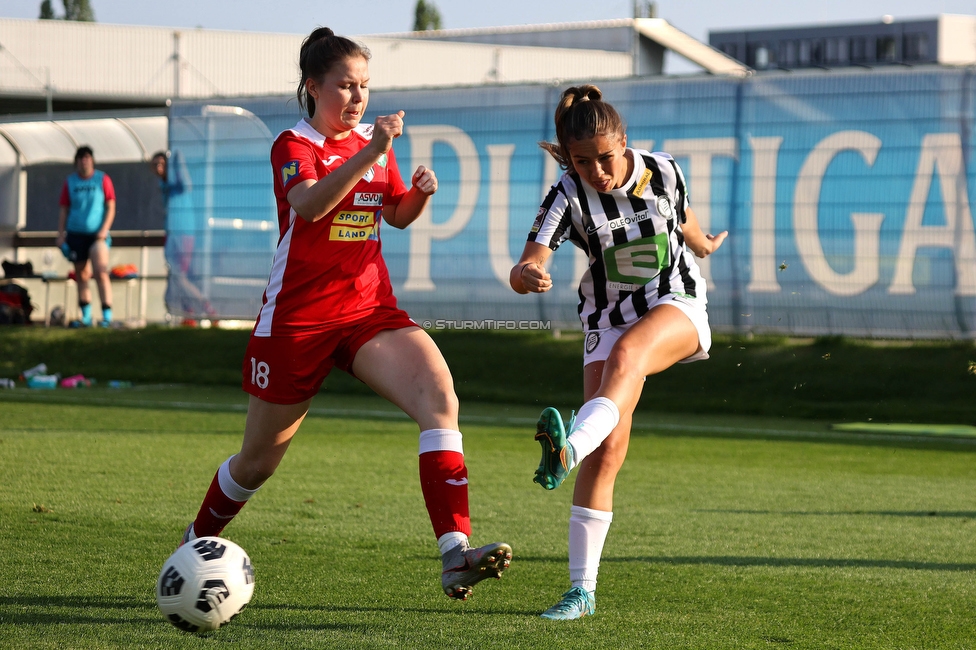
<point>943,40</point>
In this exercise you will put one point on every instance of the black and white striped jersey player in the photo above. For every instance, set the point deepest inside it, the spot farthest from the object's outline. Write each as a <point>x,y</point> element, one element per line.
<point>633,238</point>
<point>642,306</point>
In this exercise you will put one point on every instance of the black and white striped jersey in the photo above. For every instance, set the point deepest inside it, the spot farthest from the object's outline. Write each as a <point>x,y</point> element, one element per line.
<point>632,236</point>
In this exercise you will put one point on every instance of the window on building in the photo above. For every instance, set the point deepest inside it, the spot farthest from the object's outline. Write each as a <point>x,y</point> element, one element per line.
<point>804,52</point>
<point>832,46</point>
<point>762,57</point>
<point>858,50</point>
<point>886,49</point>
<point>916,47</point>
<point>818,55</point>
<point>787,54</point>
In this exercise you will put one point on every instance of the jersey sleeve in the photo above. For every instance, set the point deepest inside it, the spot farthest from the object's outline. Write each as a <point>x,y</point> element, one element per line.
<point>396,188</point>
<point>108,188</point>
<point>554,221</point>
<point>293,161</point>
<point>65,199</point>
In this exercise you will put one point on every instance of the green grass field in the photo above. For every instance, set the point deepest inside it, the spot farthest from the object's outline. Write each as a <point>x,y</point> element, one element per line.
<point>729,531</point>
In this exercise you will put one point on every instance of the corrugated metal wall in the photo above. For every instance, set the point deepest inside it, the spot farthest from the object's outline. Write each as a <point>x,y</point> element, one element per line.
<point>153,63</point>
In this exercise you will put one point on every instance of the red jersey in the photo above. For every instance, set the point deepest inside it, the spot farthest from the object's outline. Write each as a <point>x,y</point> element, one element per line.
<point>329,273</point>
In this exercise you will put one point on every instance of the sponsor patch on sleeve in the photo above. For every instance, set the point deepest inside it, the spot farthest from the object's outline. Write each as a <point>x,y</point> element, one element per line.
<point>642,183</point>
<point>288,171</point>
<point>539,217</point>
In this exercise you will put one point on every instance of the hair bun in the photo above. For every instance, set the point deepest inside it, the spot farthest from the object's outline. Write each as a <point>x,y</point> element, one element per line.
<point>321,32</point>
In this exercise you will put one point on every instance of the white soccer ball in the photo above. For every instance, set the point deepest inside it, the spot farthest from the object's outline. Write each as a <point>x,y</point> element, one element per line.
<point>204,584</point>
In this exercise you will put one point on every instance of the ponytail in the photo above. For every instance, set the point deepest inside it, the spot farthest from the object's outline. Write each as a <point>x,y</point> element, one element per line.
<point>581,113</point>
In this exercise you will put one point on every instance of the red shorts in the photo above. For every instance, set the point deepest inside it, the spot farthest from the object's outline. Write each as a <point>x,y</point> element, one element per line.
<point>291,369</point>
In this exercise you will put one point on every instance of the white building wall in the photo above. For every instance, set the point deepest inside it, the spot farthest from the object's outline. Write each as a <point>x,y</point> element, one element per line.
<point>152,63</point>
<point>957,40</point>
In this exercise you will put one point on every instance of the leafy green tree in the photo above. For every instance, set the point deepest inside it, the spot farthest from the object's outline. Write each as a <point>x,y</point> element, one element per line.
<point>47,11</point>
<point>77,10</point>
<point>426,16</point>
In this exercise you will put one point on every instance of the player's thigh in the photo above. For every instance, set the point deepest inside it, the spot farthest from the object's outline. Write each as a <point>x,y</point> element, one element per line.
<point>83,270</point>
<point>406,367</point>
<point>98,255</point>
<point>592,378</point>
<point>661,338</point>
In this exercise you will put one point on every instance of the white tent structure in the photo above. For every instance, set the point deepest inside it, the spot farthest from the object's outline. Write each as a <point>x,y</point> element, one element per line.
<point>22,144</point>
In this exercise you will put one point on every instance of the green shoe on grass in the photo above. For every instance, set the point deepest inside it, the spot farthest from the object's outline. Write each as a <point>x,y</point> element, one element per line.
<point>575,603</point>
<point>557,454</point>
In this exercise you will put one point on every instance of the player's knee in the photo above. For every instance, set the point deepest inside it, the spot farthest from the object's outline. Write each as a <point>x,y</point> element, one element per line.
<point>444,401</point>
<point>623,363</point>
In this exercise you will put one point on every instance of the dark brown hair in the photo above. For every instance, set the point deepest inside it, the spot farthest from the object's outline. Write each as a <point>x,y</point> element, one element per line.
<point>321,50</point>
<point>84,150</point>
<point>580,114</point>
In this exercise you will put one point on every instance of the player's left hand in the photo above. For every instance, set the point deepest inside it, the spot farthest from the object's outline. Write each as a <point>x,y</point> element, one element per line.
<point>712,243</point>
<point>424,180</point>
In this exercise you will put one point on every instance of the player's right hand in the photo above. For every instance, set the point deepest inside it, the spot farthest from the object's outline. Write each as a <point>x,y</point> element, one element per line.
<point>535,278</point>
<point>386,128</point>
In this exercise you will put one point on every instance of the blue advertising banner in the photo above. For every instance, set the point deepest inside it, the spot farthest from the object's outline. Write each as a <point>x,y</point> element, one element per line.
<point>846,195</point>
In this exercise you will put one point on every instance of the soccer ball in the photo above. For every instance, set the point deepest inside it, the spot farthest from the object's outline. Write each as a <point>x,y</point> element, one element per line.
<point>204,584</point>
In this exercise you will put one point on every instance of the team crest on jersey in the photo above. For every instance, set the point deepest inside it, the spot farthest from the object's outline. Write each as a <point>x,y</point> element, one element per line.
<point>289,171</point>
<point>664,207</point>
<point>382,161</point>
<point>642,183</point>
<point>592,340</point>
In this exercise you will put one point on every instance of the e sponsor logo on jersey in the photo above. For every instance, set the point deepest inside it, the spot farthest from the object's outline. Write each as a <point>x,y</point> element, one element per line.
<point>625,221</point>
<point>288,171</point>
<point>642,183</point>
<point>636,262</point>
<point>368,198</point>
<point>331,159</point>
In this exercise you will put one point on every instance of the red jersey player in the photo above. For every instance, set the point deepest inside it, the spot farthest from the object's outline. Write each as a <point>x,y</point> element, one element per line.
<point>329,303</point>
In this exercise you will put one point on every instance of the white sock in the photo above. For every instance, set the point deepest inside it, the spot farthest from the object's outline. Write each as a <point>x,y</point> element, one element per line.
<point>594,422</point>
<point>447,541</point>
<point>587,532</point>
<point>441,440</point>
<point>229,486</point>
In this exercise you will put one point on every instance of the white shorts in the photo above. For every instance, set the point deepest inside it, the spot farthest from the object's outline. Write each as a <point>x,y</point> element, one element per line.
<point>598,343</point>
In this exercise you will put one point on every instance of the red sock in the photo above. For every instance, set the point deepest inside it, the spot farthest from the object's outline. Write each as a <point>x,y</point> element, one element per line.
<point>444,481</point>
<point>216,512</point>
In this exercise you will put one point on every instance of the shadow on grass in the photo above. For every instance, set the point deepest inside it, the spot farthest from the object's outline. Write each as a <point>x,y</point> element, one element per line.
<point>20,610</point>
<point>456,610</point>
<point>950,514</point>
<point>97,610</point>
<point>746,561</point>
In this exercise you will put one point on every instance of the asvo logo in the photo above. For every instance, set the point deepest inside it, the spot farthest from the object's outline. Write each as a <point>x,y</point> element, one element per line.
<point>368,198</point>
